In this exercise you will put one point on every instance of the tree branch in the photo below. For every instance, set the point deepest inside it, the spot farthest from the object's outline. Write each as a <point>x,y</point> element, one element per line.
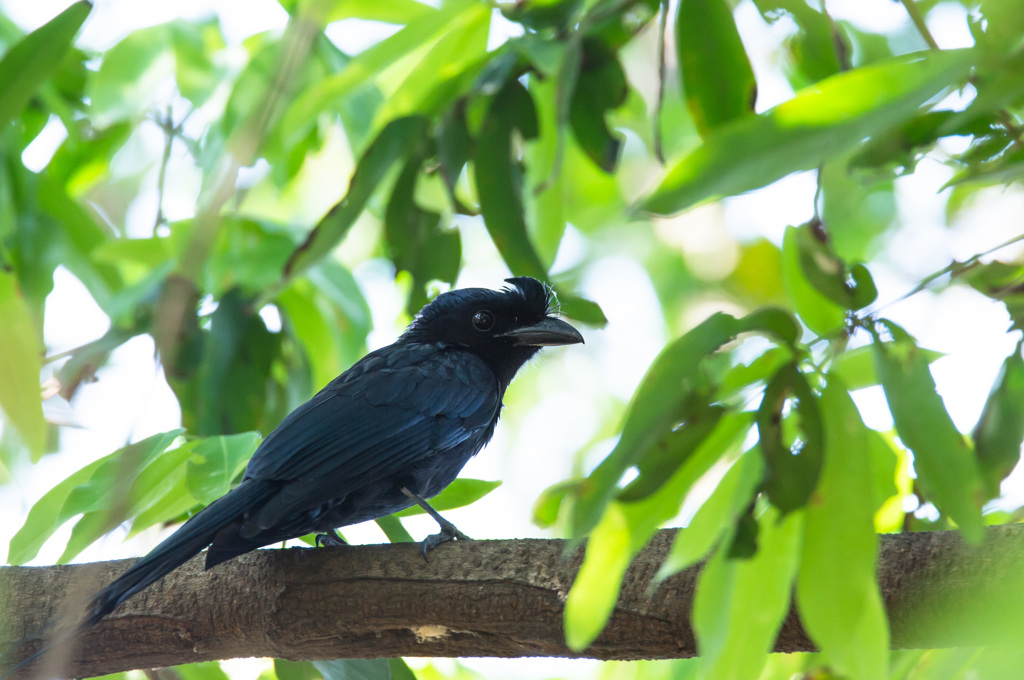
<point>483,598</point>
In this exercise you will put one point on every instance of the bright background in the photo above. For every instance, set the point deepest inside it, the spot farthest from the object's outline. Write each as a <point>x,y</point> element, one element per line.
<point>561,403</point>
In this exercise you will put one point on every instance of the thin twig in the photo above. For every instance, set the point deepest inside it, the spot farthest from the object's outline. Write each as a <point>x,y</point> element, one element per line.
<point>919,23</point>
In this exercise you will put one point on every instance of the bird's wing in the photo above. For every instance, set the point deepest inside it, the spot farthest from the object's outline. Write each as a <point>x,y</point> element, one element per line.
<point>373,422</point>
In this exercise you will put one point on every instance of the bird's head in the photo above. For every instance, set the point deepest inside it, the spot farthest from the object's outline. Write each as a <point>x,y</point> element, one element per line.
<point>504,327</point>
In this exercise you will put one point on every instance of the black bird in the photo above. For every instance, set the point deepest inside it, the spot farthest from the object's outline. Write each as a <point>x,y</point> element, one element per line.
<point>393,430</point>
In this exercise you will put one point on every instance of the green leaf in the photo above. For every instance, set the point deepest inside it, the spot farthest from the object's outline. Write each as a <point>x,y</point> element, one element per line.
<point>86,490</point>
<point>741,604</point>
<point>35,58</point>
<point>354,669</point>
<point>216,462</point>
<point>722,510</point>
<point>840,604</point>
<point>625,528</point>
<point>156,478</point>
<point>295,670</point>
<point>673,388</point>
<point>823,269</point>
<point>499,178</point>
<point>600,87</point>
<point>446,71</point>
<point>20,363</point>
<point>417,242</point>
<point>856,367</point>
<point>1001,281</point>
<point>394,530</point>
<point>196,70</point>
<point>946,469</point>
<point>204,670</point>
<point>760,369</point>
<point>821,122</point>
<point>398,139</point>
<point>658,464</point>
<point>129,76</point>
<point>1000,429</point>
<point>596,588</point>
<point>717,77</point>
<point>581,309</point>
<point>227,393</point>
<point>549,503</point>
<point>793,468</point>
<point>327,93</point>
<point>387,11</point>
<point>855,210</point>
<point>458,494</point>
<point>823,316</point>
<point>814,48</point>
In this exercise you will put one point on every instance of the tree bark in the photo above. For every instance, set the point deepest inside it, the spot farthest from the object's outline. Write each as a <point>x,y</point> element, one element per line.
<point>480,598</point>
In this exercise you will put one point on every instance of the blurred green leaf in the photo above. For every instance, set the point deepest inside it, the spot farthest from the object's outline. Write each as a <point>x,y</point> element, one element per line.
<point>625,528</point>
<point>723,509</point>
<point>581,309</point>
<point>327,93</point>
<point>155,480</point>
<point>94,487</point>
<point>417,241</point>
<point>458,494</point>
<point>354,669</point>
<point>35,58</point>
<point>819,123</point>
<point>216,462</point>
<point>717,77</point>
<point>227,393</point>
<point>944,461</point>
<point>196,69</point>
<point>856,367</point>
<point>446,71</point>
<point>1000,429</point>
<point>499,178</point>
<point>673,388</point>
<point>393,529</point>
<point>822,315</point>
<point>740,604</point>
<point>20,363</point>
<point>759,369</point>
<point>856,211</point>
<point>387,11</point>
<point>204,670</point>
<point>596,588</point>
<point>398,139</point>
<point>851,288</point>
<point>128,77</point>
<point>840,603</point>
<point>600,87</point>
<point>1000,281</point>
<point>549,503</point>
<point>295,670</point>
<point>817,48</point>
<point>793,467</point>
<point>658,464</point>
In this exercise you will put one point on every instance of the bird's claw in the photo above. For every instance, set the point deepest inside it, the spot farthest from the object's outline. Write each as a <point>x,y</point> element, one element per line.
<point>330,539</point>
<point>448,533</point>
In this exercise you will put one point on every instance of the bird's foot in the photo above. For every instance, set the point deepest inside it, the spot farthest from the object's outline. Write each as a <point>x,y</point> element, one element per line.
<point>331,539</point>
<point>448,533</point>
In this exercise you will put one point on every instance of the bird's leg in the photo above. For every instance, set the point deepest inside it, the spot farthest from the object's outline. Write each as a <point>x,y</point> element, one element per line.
<point>330,538</point>
<point>448,531</point>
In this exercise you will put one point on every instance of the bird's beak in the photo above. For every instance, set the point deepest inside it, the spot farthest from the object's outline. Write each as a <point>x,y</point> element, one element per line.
<point>550,331</point>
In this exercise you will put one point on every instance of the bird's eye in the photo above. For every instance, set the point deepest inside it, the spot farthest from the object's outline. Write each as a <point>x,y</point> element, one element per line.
<point>483,320</point>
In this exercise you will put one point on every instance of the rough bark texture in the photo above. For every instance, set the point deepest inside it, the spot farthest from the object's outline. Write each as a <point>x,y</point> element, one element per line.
<point>483,598</point>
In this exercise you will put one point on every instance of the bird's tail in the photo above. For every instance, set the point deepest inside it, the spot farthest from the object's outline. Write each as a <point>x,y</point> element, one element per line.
<point>178,548</point>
